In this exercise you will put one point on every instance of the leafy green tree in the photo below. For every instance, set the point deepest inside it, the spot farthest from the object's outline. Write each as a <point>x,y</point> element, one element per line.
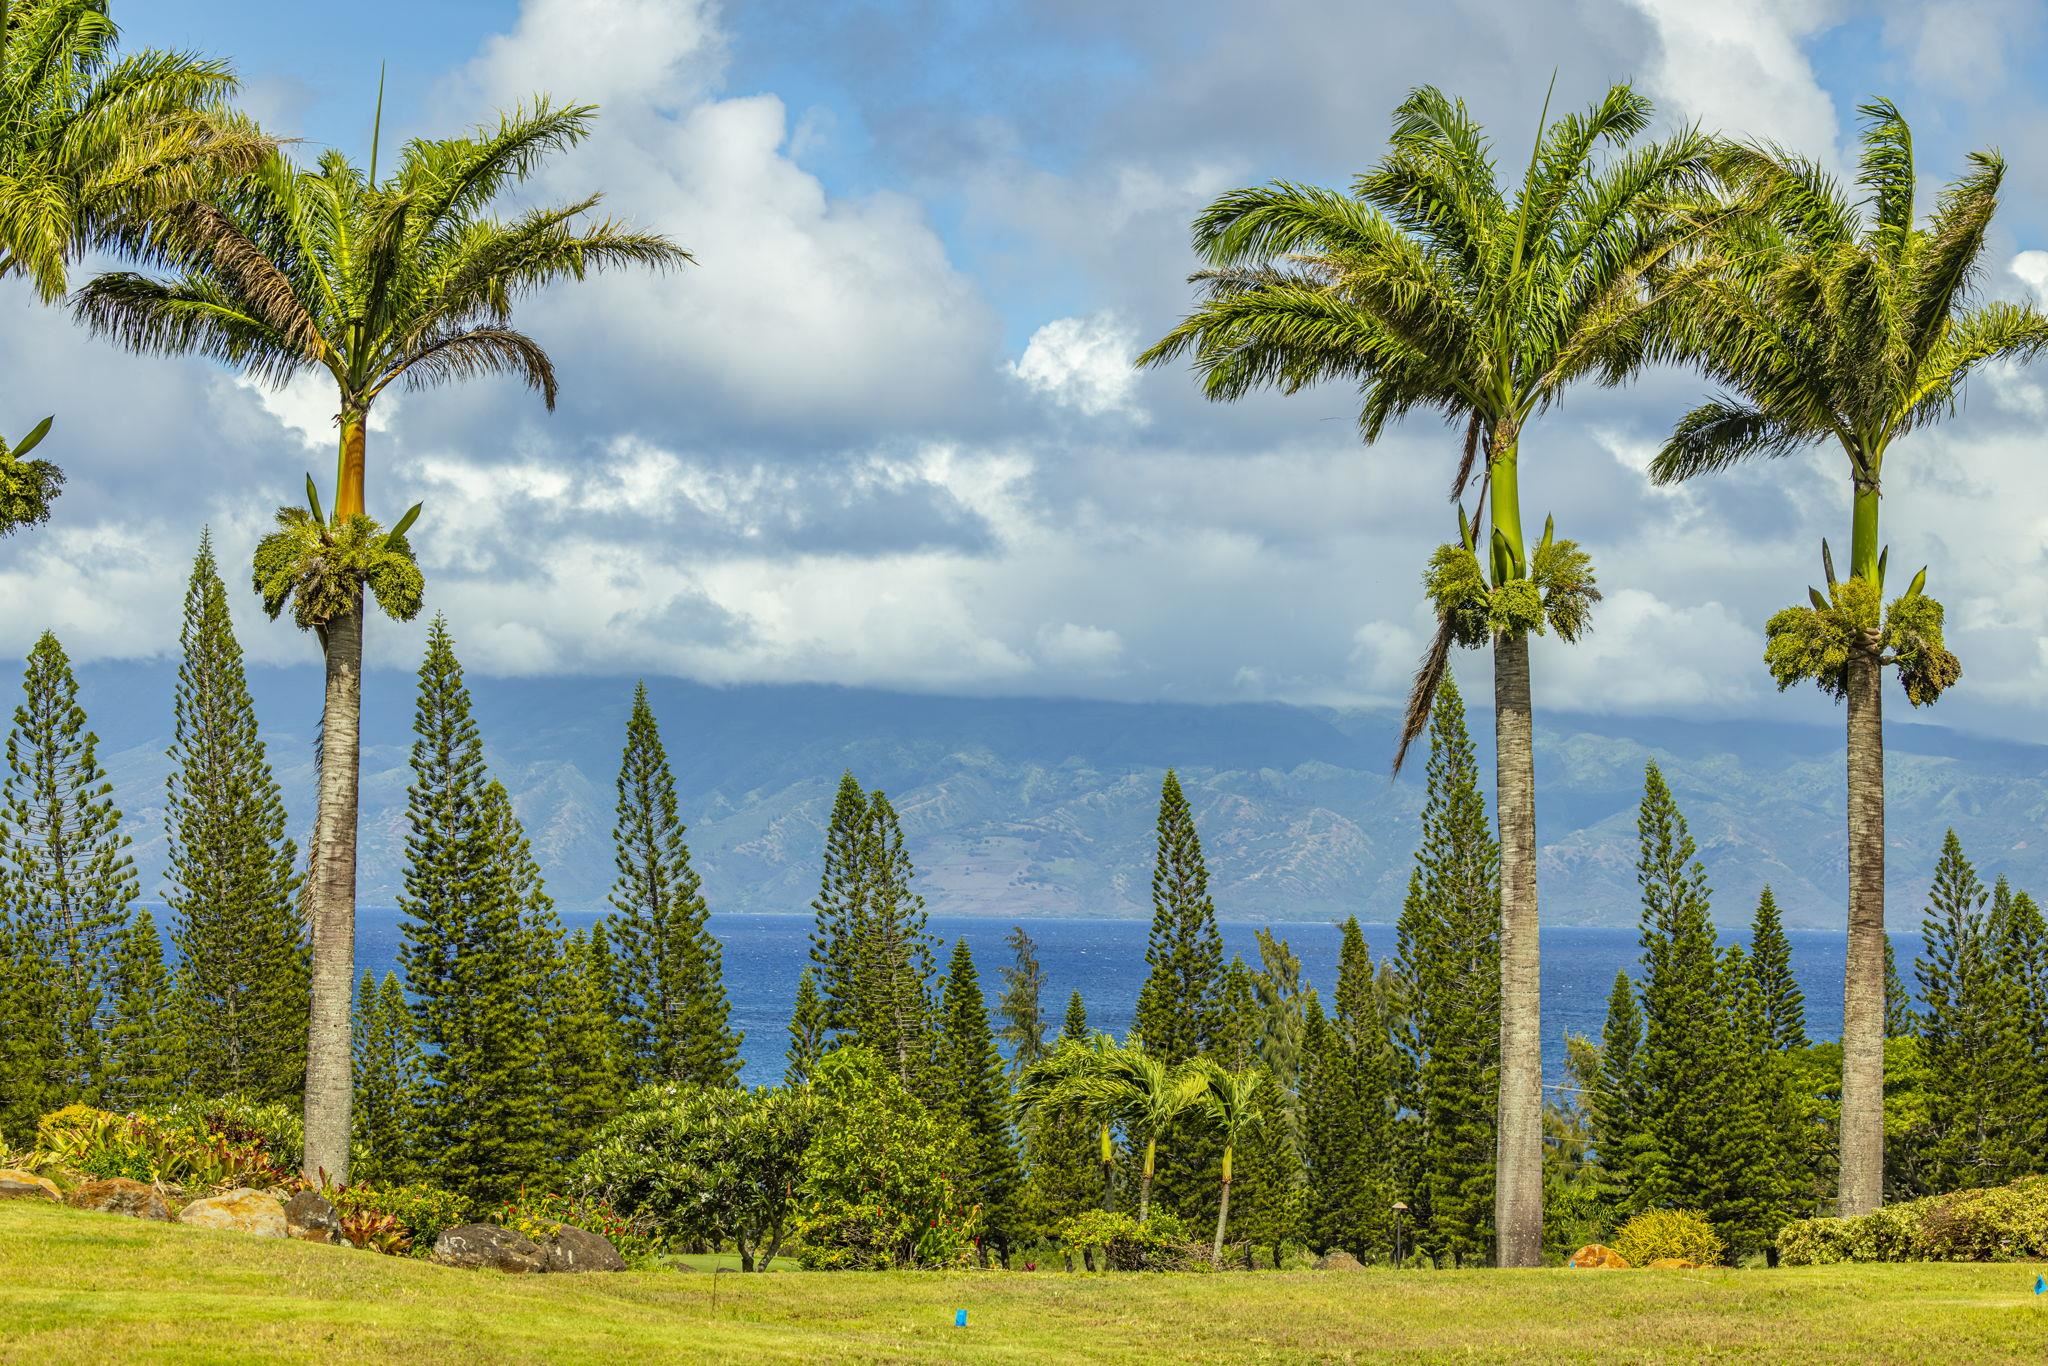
<point>714,1165</point>
<point>1430,287</point>
<point>1770,959</point>
<point>1753,1144</point>
<point>407,278</point>
<point>144,1061</point>
<point>1831,322</point>
<point>1070,1152</point>
<point>66,878</point>
<point>1023,1014</point>
<point>1145,1093</point>
<point>1447,1027</point>
<point>1178,1006</point>
<point>877,1190</point>
<point>388,1082</point>
<point>971,1079</point>
<point>467,950</point>
<point>677,1017</point>
<point>2022,938</point>
<point>1976,1055</point>
<point>807,1032</point>
<point>241,987</point>
<point>1283,1015</point>
<point>1575,1211</point>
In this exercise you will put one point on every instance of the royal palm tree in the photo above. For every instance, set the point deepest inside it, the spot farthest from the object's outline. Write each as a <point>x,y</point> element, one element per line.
<point>91,143</point>
<point>375,281</point>
<point>1832,322</point>
<point>1231,1102</point>
<point>1049,1081</point>
<point>1431,287</point>
<point>27,487</point>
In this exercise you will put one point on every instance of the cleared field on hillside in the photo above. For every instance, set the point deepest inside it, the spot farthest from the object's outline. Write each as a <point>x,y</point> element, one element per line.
<point>85,1287</point>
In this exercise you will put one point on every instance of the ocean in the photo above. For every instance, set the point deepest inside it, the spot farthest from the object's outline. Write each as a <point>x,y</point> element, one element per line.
<point>1105,961</point>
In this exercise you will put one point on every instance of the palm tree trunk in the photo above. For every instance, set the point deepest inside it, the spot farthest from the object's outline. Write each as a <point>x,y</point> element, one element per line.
<point>331,902</point>
<point>1108,1170</point>
<point>1145,1180</point>
<point>1222,1210</point>
<point>348,482</point>
<point>1862,1183</point>
<point>1518,1180</point>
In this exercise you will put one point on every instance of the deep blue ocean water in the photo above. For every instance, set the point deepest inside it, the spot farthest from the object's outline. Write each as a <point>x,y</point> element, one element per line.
<point>1105,960</point>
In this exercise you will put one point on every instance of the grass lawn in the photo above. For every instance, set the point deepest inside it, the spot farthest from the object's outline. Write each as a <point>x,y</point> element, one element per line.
<point>90,1287</point>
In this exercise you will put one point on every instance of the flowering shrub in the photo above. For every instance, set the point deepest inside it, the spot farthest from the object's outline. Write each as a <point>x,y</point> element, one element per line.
<point>376,1231</point>
<point>278,1130</point>
<point>418,1210</point>
<point>540,1215</point>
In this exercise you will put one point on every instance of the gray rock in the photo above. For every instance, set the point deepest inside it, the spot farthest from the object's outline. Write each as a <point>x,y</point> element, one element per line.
<point>475,1246</point>
<point>119,1195</point>
<point>310,1218</point>
<point>574,1249</point>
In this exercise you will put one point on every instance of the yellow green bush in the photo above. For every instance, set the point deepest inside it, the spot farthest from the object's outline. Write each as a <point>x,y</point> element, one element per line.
<point>1669,1233</point>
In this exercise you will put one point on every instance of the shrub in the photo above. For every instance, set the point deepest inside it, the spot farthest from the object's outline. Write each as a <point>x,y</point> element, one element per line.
<point>1989,1224</point>
<point>279,1131</point>
<point>1668,1233</point>
<point>419,1210</point>
<point>1123,1244</point>
<point>540,1215</point>
<point>101,1144</point>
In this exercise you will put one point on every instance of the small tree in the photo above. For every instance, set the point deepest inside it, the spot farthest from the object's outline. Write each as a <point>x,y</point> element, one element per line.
<point>387,1083</point>
<point>807,1032</point>
<point>1230,1102</point>
<point>1023,1015</point>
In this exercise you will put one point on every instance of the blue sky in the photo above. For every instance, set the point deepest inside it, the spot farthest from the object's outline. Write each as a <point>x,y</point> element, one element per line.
<point>887,432</point>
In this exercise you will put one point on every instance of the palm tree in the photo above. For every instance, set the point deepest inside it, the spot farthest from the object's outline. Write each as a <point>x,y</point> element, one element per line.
<point>90,143</point>
<point>1430,288</point>
<point>375,281</point>
<point>1050,1081</point>
<point>1828,321</point>
<point>27,487</point>
<point>1231,1101</point>
<point>1146,1092</point>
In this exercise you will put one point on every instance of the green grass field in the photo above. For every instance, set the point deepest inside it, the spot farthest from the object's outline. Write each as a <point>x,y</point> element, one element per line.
<point>86,1287</point>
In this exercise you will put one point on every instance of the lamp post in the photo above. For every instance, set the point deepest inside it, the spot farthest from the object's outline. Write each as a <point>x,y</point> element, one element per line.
<point>1400,1208</point>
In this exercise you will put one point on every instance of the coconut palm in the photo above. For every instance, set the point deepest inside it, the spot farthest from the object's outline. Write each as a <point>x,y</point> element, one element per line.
<point>407,279</point>
<point>1432,288</point>
<point>90,143</point>
<point>1832,322</point>
<point>1230,1100</point>
<point>27,487</point>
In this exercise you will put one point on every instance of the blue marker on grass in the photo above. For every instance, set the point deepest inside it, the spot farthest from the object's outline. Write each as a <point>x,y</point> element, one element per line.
<point>959,1318</point>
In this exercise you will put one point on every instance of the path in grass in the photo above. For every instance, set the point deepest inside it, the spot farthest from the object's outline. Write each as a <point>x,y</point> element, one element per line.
<point>86,1287</point>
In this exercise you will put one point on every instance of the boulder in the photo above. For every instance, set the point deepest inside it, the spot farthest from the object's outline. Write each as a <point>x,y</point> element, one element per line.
<point>238,1211</point>
<point>487,1245</point>
<point>119,1195</point>
<point>1338,1260</point>
<point>575,1249</point>
<point>1598,1257</point>
<point>310,1218</point>
<point>20,1185</point>
<point>1674,1264</point>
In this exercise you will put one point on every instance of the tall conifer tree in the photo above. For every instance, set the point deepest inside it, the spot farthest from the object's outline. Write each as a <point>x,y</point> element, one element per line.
<point>1770,959</point>
<point>892,954</point>
<point>1020,1006</point>
<point>1619,1129</point>
<point>388,1076</point>
<point>970,1074</point>
<point>677,1019</point>
<point>242,986</point>
<point>585,1062</point>
<point>1447,964</point>
<point>841,903</point>
<point>66,878</point>
<point>1178,1004</point>
<point>1970,1027</point>
<point>808,1032</point>
<point>468,950</point>
<point>2022,936</point>
<point>144,1061</point>
<point>1074,1026</point>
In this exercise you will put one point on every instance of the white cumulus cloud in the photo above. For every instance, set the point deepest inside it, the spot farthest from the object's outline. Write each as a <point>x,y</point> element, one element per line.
<point>1083,364</point>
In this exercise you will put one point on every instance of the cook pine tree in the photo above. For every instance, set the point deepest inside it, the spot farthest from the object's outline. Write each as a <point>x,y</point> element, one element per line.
<point>1178,1004</point>
<point>677,1018</point>
<point>977,1092</point>
<point>242,984</point>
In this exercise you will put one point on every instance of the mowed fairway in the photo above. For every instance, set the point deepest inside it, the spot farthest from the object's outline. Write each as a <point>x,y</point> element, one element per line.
<point>84,1287</point>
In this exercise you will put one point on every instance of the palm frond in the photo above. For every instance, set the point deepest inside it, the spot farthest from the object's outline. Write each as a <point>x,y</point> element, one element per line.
<point>1885,173</point>
<point>1718,434</point>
